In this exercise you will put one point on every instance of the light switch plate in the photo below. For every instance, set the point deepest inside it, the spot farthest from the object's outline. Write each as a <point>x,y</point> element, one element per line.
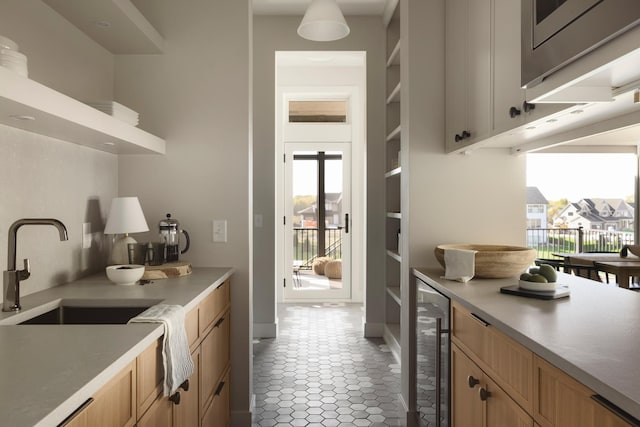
<point>86,235</point>
<point>220,230</point>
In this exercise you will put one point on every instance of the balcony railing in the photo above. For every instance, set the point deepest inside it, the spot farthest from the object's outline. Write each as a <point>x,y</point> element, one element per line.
<point>548,241</point>
<point>305,245</point>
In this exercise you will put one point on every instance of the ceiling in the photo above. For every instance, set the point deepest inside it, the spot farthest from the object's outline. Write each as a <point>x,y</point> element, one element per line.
<point>297,7</point>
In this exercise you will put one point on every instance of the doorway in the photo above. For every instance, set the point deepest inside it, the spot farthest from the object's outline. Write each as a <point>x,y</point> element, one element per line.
<point>317,261</point>
<point>320,112</point>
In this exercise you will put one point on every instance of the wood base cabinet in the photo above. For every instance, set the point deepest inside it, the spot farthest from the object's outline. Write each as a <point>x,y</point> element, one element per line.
<point>564,402</point>
<point>113,406</point>
<point>477,400</point>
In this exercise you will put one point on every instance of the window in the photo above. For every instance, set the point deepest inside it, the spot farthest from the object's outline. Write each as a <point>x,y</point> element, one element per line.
<point>317,111</point>
<point>535,208</point>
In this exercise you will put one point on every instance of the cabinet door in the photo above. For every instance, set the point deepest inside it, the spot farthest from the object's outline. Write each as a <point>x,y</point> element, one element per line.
<point>500,409</point>
<point>213,305</point>
<point>466,406</point>
<point>479,70</point>
<point>114,405</point>
<point>187,413</point>
<point>150,376</point>
<point>191,321</point>
<point>217,413</point>
<point>456,33</point>
<point>559,400</point>
<point>160,414</point>
<point>214,353</point>
<point>506,66</point>
<point>605,418</point>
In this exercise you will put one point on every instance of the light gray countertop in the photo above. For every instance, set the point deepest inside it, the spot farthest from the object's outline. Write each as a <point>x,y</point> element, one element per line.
<point>593,335</point>
<point>48,371</point>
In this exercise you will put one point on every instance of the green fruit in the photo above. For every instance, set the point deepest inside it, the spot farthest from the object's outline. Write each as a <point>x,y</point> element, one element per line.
<point>534,270</point>
<point>525,276</point>
<point>538,278</point>
<point>549,272</point>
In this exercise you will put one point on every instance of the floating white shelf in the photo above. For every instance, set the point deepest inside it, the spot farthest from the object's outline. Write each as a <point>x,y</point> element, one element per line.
<point>394,292</point>
<point>396,215</point>
<point>62,117</point>
<point>117,25</point>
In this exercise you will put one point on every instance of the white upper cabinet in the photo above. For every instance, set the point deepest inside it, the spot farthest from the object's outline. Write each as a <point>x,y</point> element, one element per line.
<point>467,62</point>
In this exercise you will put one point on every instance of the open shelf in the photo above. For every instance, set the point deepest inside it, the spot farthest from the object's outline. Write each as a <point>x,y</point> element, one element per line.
<point>393,172</point>
<point>395,133</point>
<point>394,255</point>
<point>53,114</point>
<point>396,215</point>
<point>117,25</point>
<point>394,292</point>
<point>394,96</point>
<point>394,57</point>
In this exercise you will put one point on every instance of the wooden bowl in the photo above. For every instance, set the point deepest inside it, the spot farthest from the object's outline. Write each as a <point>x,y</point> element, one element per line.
<point>494,261</point>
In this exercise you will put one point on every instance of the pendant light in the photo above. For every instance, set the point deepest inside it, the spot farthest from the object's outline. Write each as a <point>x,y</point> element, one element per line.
<point>323,22</point>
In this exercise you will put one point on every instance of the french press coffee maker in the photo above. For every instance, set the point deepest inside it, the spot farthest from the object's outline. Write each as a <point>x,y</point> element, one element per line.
<point>170,234</point>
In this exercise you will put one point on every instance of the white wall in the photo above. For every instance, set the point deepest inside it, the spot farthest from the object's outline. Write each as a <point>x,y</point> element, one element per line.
<point>45,177</point>
<point>278,33</point>
<point>196,95</point>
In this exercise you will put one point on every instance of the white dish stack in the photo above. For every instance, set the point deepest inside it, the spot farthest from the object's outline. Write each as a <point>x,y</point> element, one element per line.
<point>117,111</point>
<point>11,59</point>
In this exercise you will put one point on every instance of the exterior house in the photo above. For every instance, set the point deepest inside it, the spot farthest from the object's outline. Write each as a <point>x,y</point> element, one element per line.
<point>308,216</point>
<point>596,214</point>
<point>537,206</point>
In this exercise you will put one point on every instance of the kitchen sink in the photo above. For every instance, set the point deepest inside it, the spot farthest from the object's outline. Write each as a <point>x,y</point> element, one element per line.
<point>94,313</point>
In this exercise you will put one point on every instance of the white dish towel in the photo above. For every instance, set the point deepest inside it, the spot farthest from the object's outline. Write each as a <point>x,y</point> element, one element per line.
<point>176,357</point>
<point>460,264</point>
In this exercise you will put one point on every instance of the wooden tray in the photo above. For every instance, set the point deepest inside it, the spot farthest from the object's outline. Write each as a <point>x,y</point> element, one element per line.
<point>166,271</point>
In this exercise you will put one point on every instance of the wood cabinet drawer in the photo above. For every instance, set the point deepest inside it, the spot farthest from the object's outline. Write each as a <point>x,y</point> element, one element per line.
<point>114,405</point>
<point>213,305</point>
<point>192,328</point>
<point>561,401</point>
<point>160,414</point>
<point>506,361</point>
<point>150,376</point>
<point>215,357</point>
<point>468,331</point>
<point>217,413</point>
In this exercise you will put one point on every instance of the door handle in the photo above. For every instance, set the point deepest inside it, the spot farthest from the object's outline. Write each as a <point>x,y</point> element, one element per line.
<point>345,227</point>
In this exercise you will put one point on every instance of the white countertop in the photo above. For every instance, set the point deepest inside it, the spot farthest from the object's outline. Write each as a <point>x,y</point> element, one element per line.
<point>593,335</point>
<point>48,371</point>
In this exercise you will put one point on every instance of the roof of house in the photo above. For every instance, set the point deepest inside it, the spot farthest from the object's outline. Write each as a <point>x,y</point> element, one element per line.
<point>590,209</point>
<point>535,197</point>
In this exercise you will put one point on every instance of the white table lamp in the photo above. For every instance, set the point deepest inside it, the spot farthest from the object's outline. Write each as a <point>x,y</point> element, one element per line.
<point>125,217</point>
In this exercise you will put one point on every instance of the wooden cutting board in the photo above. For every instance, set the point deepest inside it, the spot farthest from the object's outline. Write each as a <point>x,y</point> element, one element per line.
<point>166,271</point>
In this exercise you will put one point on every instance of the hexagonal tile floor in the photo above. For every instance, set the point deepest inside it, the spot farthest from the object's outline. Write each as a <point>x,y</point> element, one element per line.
<point>322,372</point>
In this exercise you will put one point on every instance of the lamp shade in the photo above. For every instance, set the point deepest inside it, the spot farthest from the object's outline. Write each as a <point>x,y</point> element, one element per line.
<point>125,216</point>
<point>323,21</point>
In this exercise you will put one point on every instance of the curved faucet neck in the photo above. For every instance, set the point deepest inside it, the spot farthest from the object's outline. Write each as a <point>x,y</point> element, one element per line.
<point>13,235</point>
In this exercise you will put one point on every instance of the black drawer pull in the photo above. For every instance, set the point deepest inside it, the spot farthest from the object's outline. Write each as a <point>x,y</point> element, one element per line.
<point>219,322</point>
<point>175,398</point>
<point>479,319</point>
<point>185,385</point>
<point>219,389</point>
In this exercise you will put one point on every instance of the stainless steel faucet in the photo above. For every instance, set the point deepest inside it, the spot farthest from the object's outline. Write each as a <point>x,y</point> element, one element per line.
<point>12,277</point>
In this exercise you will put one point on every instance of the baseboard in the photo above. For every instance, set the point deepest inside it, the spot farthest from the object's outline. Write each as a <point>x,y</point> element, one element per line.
<point>392,343</point>
<point>373,330</point>
<point>265,330</point>
<point>240,418</point>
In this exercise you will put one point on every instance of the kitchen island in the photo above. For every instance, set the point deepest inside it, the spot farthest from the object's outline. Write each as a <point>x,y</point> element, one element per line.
<point>48,371</point>
<point>592,335</point>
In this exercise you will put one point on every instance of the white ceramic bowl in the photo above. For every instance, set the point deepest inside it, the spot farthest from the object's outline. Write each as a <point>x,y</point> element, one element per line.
<point>536,286</point>
<point>125,274</point>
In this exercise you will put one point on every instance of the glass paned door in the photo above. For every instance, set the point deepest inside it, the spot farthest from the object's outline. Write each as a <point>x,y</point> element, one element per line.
<point>317,206</point>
